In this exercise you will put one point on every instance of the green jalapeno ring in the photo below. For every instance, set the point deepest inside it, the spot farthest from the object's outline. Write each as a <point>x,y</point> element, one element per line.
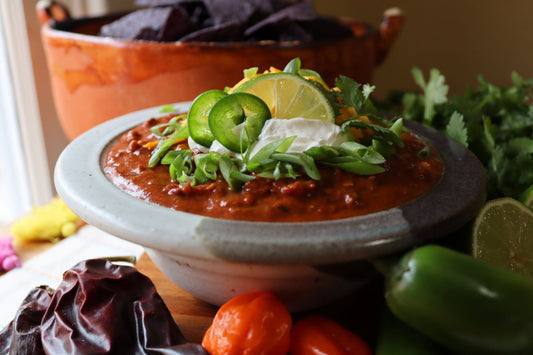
<point>198,116</point>
<point>233,110</point>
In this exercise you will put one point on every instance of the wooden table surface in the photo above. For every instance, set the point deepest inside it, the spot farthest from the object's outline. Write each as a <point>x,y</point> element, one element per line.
<point>357,312</point>
<point>26,250</point>
<point>192,315</point>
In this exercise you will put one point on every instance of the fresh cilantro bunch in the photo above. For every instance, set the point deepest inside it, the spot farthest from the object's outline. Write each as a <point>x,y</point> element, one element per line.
<point>494,122</point>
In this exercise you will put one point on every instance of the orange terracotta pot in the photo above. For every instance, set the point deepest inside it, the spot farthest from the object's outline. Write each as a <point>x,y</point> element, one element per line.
<point>95,79</point>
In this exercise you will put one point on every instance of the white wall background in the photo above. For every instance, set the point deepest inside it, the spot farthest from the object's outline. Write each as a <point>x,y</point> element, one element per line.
<point>462,38</point>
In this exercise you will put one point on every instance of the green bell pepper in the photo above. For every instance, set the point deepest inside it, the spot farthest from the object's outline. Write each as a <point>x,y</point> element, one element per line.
<point>461,302</point>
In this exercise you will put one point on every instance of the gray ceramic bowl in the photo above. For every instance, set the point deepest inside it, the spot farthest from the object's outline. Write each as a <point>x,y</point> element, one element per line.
<point>305,263</point>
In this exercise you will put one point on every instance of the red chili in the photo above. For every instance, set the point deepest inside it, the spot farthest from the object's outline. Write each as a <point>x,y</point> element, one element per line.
<point>317,335</point>
<point>251,323</point>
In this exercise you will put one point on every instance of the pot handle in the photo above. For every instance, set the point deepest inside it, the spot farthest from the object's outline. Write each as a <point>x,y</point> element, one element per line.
<point>390,27</point>
<point>50,12</point>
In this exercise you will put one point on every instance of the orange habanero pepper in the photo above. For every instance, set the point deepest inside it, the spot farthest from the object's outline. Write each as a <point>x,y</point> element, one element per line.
<point>249,324</point>
<point>316,335</point>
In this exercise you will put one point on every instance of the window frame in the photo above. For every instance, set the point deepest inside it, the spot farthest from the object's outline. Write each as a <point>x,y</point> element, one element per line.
<point>25,124</point>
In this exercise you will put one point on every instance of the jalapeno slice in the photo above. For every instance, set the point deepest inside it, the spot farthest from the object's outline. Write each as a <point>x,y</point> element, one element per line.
<point>198,116</point>
<point>236,120</point>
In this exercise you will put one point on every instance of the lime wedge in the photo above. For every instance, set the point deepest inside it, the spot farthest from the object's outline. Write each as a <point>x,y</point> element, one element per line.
<point>503,235</point>
<point>290,96</point>
<point>526,197</point>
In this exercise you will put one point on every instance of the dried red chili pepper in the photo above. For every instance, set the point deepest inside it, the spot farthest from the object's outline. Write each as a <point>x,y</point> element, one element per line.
<point>105,308</point>
<point>316,335</point>
<point>23,334</point>
<point>251,323</point>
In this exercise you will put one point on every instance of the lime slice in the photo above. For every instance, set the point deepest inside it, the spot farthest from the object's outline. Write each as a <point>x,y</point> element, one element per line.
<point>526,197</point>
<point>290,96</point>
<point>503,235</point>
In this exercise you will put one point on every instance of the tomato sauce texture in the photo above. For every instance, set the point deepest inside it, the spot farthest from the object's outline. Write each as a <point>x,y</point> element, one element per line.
<point>338,194</point>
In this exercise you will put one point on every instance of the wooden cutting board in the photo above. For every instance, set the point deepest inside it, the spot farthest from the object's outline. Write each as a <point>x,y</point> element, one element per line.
<point>357,312</point>
<point>192,315</point>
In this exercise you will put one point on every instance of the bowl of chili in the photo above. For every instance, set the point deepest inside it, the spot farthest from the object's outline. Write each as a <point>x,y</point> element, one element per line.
<point>302,261</point>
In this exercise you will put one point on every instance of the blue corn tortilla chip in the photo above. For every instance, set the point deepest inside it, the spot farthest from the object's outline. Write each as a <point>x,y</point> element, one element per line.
<point>298,22</point>
<point>274,25</point>
<point>242,11</point>
<point>226,21</point>
<point>152,24</point>
<point>154,3</point>
<point>221,33</point>
<point>283,30</point>
<point>178,24</point>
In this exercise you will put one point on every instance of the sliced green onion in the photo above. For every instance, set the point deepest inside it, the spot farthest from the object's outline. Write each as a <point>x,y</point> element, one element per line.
<point>266,152</point>
<point>301,159</point>
<point>250,72</point>
<point>207,164</point>
<point>164,145</point>
<point>233,176</point>
<point>354,165</point>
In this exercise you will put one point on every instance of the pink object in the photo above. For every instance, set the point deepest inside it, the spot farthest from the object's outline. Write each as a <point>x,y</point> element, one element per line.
<point>6,241</point>
<point>4,253</point>
<point>11,262</point>
<point>8,258</point>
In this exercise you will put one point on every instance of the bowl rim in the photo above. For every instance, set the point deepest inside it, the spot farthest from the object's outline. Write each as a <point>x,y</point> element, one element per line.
<point>85,189</point>
<point>49,31</point>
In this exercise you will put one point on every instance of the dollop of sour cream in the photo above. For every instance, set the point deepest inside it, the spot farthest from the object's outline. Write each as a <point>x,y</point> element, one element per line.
<point>309,133</point>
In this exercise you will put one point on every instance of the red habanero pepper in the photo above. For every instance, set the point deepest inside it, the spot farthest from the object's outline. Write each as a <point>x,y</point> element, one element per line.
<point>316,335</point>
<point>249,324</point>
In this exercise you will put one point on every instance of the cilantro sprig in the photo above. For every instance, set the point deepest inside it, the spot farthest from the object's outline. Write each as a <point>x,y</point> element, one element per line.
<point>494,122</point>
<point>354,96</point>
